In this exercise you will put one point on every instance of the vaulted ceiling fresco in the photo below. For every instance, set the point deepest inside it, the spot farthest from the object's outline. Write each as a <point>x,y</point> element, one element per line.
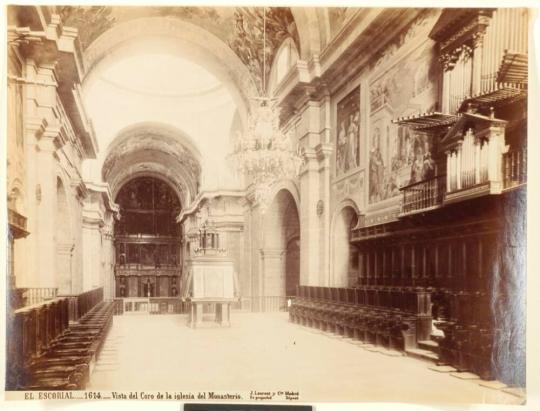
<point>242,28</point>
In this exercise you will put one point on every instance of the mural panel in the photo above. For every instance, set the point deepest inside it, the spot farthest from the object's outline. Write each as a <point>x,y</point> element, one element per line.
<point>348,133</point>
<point>399,156</point>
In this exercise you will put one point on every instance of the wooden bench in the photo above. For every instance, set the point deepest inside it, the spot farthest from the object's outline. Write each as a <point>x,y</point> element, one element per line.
<point>384,316</point>
<point>65,365</point>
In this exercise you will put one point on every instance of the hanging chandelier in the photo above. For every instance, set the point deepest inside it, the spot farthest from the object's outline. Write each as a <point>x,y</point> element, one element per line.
<point>263,153</point>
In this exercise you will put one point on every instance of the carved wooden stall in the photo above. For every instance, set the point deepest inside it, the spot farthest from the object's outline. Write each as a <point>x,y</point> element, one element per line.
<point>439,271</point>
<point>460,231</point>
<point>53,343</point>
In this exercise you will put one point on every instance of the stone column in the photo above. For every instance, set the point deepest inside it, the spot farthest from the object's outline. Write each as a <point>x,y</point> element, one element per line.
<point>322,207</point>
<point>64,267</point>
<point>92,252</point>
<point>273,271</point>
<point>107,250</point>
<point>310,262</point>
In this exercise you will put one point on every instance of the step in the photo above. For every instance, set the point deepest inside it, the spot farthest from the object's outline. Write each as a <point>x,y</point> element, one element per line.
<point>429,345</point>
<point>72,344</point>
<point>421,354</point>
<point>60,361</point>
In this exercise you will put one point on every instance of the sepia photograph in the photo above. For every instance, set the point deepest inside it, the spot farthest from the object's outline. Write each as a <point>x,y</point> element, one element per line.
<point>266,204</point>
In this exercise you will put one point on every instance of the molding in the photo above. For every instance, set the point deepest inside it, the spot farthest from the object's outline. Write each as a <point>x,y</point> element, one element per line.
<point>346,55</point>
<point>207,195</point>
<point>272,253</point>
<point>324,151</point>
<point>36,126</point>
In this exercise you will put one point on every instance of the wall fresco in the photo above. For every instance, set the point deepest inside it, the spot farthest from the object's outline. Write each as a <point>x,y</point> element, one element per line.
<point>399,156</point>
<point>348,133</point>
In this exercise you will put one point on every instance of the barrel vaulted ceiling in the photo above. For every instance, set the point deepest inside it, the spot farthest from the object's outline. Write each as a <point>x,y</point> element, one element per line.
<point>240,28</point>
<point>195,64</point>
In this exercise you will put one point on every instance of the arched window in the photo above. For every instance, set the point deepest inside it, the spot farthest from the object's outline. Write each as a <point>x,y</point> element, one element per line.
<point>286,57</point>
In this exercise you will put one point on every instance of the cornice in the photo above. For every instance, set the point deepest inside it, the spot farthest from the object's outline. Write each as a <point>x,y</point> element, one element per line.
<point>207,195</point>
<point>350,52</point>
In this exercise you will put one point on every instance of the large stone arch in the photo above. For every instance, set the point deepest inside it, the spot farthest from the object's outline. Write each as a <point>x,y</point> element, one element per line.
<point>343,219</point>
<point>281,226</point>
<point>288,185</point>
<point>153,149</point>
<point>190,40</point>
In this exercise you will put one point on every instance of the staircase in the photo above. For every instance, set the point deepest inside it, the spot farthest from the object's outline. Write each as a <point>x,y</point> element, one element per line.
<point>427,350</point>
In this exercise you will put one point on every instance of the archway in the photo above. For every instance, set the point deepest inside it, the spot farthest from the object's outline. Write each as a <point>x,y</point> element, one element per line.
<point>154,149</point>
<point>281,251</point>
<point>344,255</point>
<point>147,240</point>
<point>64,241</point>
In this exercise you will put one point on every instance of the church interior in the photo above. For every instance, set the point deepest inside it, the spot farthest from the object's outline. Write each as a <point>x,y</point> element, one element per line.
<point>242,198</point>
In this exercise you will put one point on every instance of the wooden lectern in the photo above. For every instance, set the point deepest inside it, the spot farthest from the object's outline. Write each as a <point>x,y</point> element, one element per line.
<point>210,277</point>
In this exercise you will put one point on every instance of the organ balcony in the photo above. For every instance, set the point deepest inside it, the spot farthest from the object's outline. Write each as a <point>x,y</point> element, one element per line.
<point>474,149</point>
<point>479,141</point>
<point>423,195</point>
<point>478,161</point>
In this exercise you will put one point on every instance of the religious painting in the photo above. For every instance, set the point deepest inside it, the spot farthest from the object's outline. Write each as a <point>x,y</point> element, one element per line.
<point>348,133</point>
<point>398,155</point>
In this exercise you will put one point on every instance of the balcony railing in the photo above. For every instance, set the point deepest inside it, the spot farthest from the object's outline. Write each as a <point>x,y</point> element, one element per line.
<point>423,195</point>
<point>515,167</point>
<point>17,223</point>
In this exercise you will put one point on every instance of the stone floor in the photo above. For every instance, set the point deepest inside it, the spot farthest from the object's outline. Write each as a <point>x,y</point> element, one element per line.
<point>265,352</point>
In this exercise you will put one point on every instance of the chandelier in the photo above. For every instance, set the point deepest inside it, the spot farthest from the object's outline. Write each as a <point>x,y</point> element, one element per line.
<point>263,153</point>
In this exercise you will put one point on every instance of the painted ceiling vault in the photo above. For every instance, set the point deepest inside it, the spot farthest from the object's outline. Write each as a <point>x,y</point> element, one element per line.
<point>241,28</point>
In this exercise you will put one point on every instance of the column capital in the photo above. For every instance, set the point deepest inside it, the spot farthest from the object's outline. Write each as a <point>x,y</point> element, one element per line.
<point>323,151</point>
<point>310,156</point>
<point>65,248</point>
<point>269,253</point>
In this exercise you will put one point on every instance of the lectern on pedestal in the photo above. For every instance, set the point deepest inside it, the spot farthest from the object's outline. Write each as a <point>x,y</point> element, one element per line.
<point>210,278</point>
<point>212,282</point>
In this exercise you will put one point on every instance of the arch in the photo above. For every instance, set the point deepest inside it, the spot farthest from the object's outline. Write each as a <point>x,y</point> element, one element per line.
<point>288,185</point>
<point>190,40</point>
<point>281,245</point>
<point>345,218</point>
<point>161,129</point>
<point>286,57</point>
<point>149,206</point>
<point>154,149</point>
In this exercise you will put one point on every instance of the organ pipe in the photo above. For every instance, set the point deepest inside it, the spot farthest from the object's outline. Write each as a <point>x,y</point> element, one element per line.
<point>507,30</point>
